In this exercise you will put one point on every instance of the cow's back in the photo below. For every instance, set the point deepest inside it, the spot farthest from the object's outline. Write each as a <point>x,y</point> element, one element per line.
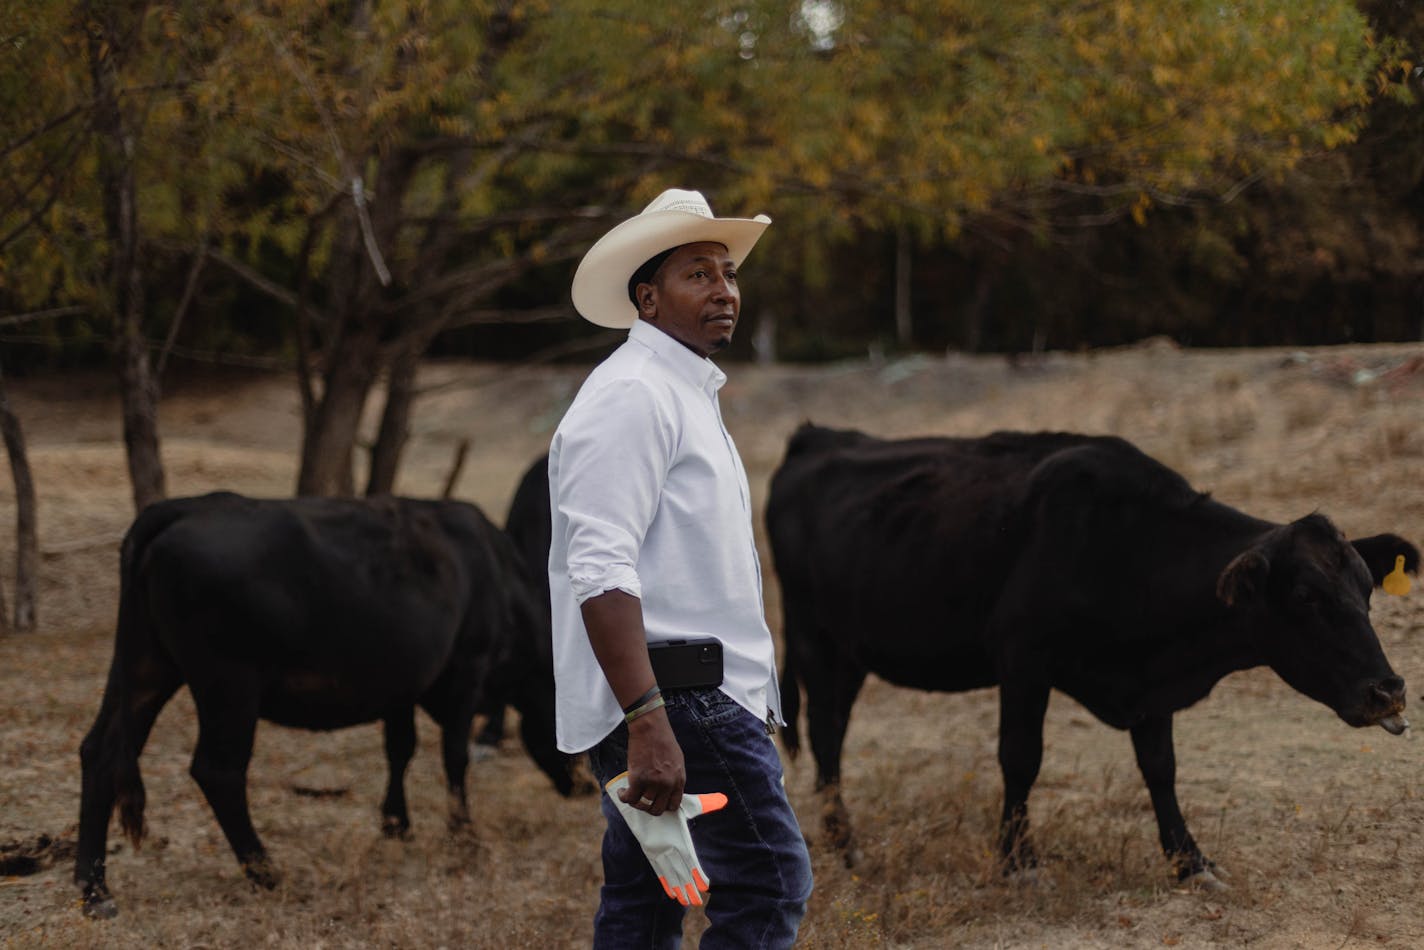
<point>529,525</point>
<point>343,606</point>
<point>898,549</point>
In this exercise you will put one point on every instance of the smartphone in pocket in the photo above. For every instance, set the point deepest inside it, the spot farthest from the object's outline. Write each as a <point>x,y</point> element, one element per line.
<point>687,664</point>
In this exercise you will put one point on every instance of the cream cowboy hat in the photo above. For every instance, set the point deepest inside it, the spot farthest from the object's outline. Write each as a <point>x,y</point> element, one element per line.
<point>673,218</point>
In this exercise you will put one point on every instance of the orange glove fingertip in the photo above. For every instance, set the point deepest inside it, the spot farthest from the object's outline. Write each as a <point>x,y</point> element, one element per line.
<point>712,801</point>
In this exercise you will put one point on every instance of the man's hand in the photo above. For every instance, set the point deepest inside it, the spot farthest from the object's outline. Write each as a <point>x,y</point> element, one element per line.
<point>656,774</point>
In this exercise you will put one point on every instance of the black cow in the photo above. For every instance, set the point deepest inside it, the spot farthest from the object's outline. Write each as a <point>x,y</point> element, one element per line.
<point>313,613</point>
<point>1056,561</point>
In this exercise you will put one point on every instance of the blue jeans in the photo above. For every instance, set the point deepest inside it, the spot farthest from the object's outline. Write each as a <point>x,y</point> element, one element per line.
<point>752,850</point>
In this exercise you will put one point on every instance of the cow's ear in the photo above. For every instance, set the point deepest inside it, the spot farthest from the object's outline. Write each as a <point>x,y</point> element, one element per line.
<point>1244,578</point>
<point>1381,551</point>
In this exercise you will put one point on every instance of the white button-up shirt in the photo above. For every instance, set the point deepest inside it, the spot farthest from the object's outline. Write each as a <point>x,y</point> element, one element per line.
<point>648,496</point>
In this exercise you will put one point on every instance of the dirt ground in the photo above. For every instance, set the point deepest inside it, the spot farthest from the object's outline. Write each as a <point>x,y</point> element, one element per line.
<point>1317,823</point>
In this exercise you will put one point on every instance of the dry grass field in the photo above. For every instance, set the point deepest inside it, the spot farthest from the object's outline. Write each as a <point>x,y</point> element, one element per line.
<point>1317,823</point>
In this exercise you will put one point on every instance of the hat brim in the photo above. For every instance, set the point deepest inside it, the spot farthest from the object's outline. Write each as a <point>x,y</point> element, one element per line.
<point>600,288</point>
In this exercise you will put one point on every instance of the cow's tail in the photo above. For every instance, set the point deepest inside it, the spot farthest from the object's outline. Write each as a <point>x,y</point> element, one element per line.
<point>129,796</point>
<point>134,644</point>
<point>790,705</point>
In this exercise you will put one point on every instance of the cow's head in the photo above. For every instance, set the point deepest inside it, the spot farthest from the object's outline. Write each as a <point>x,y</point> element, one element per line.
<point>1304,593</point>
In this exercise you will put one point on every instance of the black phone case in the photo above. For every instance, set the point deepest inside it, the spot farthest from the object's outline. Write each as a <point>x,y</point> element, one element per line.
<point>687,664</point>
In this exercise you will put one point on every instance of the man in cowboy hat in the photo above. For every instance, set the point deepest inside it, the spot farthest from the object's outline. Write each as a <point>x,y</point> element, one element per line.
<point>652,546</point>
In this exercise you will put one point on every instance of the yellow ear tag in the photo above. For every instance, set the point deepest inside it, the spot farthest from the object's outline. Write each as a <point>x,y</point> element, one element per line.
<point>1395,582</point>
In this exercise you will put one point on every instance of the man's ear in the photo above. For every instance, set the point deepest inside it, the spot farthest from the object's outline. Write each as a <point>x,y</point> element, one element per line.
<point>647,296</point>
<point>1244,578</point>
<point>1379,553</point>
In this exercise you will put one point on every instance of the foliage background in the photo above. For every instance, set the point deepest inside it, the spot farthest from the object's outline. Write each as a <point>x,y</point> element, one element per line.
<point>1047,175</point>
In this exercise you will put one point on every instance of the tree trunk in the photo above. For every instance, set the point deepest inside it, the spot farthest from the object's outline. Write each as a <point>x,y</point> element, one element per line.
<point>123,287</point>
<point>26,538</point>
<point>139,393</point>
<point>400,400</point>
<point>977,310</point>
<point>395,424</point>
<point>904,325</point>
<point>329,442</point>
<point>461,452</point>
<point>355,357</point>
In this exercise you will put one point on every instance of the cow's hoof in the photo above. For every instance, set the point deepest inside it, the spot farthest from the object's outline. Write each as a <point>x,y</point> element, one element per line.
<point>261,873</point>
<point>1020,863</point>
<point>840,840</point>
<point>98,904</point>
<point>1207,879</point>
<point>483,752</point>
<point>395,827</point>
<point>1028,876</point>
<point>1203,874</point>
<point>837,828</point>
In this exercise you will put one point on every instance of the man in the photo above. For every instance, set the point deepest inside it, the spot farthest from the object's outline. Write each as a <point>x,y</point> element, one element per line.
<point>652,543</point>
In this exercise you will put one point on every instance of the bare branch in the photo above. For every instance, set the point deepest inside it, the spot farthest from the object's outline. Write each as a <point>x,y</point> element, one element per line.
<point>270,288</point>
<point>480,279</point>
<point>349,172</point>
<point>18,318</point>
<point>48,172</point>
<point>49,126</point>
<point>200,257</point>
<point>469,318</point>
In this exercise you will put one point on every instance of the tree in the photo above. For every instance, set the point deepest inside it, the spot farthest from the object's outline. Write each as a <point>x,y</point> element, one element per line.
<point>1001,127</point>
<point>97,177</point>
<point>431,157</point>
<point>113,31</point>
<point>384,169</point>
<point>26,536</point>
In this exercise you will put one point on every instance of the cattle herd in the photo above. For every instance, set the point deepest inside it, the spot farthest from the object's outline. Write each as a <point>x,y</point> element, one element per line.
<point>1026,561</point>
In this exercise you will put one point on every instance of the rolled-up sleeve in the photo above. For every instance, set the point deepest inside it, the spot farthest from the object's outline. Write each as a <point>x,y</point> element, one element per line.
<point>614,456</point>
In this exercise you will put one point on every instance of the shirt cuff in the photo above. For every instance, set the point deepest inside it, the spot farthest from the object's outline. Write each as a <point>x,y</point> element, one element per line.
<point>621,578</point>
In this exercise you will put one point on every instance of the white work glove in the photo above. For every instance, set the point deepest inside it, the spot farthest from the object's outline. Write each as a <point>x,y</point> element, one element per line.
<point>667,841</point>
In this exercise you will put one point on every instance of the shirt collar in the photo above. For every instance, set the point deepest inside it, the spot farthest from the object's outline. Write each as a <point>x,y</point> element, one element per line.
<point>697,370</point>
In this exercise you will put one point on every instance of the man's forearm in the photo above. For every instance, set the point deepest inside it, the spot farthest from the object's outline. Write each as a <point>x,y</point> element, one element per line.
<point>656,773</point>
<point>614,621</point>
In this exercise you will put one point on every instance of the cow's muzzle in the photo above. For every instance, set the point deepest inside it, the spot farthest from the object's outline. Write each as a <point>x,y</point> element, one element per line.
<point>1384,705</point>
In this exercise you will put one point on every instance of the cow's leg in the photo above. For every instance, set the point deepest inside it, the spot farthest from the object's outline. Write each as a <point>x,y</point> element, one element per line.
<point>109,770</point>
<point>227,722</point>
<point>455,717</point>
<point>489,738</point>
<point>399,728</point>
<point>831,690</point>
<point>96,805</point>
<point>1022,707</point>
<point>455,752</point>
<point>1156,757</point>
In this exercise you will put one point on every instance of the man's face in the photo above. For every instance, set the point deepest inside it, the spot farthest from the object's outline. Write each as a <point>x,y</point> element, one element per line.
<point>694,297</point>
